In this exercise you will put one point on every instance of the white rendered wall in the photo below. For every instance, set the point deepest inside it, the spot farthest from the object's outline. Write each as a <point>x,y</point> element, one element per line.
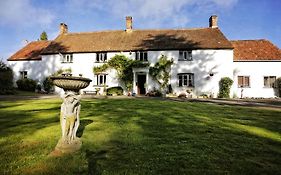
<point>218,62</point>
<point>256,71</point>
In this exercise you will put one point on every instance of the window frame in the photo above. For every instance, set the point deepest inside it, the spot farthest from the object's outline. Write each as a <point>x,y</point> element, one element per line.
<point>186,80</point>
<point>270,84</point>
<point>185,55</point>
<point>244,81</point>
<point>100,77</point>
<point>101,57</point>
<point>23,74</point>
<point>67,58</point>
<point>141,56</point>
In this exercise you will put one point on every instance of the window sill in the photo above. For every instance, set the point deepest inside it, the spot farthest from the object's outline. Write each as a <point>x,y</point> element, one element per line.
<point>244,86</point>
<point>184,60</point>
<point>187,86</point>
<point>66,62</point>
<point>100,86</point>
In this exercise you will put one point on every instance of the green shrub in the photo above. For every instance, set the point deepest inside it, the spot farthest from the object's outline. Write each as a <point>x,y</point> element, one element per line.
<point>26,84</point>
<point>6,79</point>
<point>48,84</point>
<point>224,87</point>
<point>154,93</point>
<point>278,85</point>
<point>115,91</point>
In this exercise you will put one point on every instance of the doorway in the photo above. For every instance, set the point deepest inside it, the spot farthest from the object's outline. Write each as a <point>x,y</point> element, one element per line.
<point>141,84</point>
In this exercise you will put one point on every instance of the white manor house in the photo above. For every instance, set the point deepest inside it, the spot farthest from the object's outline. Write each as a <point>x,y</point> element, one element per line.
<point>201,57</point>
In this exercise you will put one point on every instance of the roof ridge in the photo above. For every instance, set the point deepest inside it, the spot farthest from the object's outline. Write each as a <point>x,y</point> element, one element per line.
<point>249,40</point>
<point>137,30</point>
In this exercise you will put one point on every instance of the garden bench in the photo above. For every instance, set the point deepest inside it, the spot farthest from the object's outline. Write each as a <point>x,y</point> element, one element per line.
<point>90,92</point>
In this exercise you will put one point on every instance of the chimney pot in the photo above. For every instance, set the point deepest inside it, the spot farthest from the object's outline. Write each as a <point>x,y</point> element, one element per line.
<point>213,21</point>
<point>129,23</point>
<point>63,28</point>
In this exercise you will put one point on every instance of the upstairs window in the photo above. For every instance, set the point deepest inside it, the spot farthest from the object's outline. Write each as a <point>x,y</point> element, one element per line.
<point>141,55</point>
<point>101,79</point>
<point>101,57</point>
<point>186,79</point>
<point>185,55</point>
<point>269,81</point>
<point>23,74</point>
<point>67,58</point>
<point>244,81</point>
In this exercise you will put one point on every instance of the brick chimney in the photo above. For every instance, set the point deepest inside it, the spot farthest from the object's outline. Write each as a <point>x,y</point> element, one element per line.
<point>213,21</point>
<point>129,23</point>
<point>63,28</point>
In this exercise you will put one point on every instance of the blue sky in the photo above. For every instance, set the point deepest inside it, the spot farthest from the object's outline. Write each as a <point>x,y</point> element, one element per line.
<point>22,20</point>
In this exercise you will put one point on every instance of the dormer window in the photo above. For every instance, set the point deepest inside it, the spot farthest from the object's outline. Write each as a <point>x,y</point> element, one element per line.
<point>67,58</point>
<point>185,55</point>
<point>141,55</point>
<point>101,57</point>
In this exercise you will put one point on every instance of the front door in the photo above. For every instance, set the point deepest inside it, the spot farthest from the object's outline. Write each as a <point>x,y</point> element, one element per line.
<point>141,84</point>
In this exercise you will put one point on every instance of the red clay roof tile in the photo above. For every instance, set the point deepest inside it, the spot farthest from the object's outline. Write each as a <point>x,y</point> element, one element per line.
<point>31,51</point>
<point>255,50</point>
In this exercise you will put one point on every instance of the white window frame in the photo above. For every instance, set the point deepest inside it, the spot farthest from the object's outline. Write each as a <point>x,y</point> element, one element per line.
<point>67,58</point>
<point>101,57</point>
<point>142,56</point>
<point>185,55</point>
<point>23,74</point>
<point>268,83</point>
<point>101,79</point>
<point>186,80</point>
<point>243,81</point>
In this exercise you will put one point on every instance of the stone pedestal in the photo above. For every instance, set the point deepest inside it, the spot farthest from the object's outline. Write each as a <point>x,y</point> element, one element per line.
<point>69,114</point>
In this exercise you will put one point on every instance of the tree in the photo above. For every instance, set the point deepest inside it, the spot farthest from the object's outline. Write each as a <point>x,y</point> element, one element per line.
<point>43,36</point>
<point>6,79</point>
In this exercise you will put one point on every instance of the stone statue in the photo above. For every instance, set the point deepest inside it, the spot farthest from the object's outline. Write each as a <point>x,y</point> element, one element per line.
<point>69,120</point>
<point>69,117</point>
<point>69,114</point>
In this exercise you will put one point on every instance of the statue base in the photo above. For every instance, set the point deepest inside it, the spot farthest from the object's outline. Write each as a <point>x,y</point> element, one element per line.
<point>63,147</point>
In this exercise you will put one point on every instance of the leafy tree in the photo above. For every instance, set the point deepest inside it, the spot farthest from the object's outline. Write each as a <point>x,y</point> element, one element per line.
<point>161,71</point>
<point>43,36</point>
<point>278,86</point>
<point>124,67</point>
<point>6,79</point>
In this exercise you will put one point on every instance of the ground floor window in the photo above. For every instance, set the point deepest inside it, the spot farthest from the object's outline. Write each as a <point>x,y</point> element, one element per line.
<point>67,58</point>
<point>101,79</point>
<point>269,81</point>
<point>244,81</point>
<point>23,74</point>
<point>186,79</point>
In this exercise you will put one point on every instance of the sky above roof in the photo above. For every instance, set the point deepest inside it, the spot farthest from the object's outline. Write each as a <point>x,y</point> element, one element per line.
<point>22,20</point>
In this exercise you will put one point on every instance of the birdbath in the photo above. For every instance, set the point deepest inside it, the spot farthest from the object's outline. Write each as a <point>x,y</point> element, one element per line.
<point>70,109</point>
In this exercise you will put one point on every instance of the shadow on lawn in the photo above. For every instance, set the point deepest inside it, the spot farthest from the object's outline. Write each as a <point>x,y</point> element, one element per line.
<point>83,124</point>
<point>168,137</point>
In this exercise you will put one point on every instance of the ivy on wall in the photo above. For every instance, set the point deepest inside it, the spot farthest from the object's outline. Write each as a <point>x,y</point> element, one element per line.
<point>160,72</point>
<point>124,67</point>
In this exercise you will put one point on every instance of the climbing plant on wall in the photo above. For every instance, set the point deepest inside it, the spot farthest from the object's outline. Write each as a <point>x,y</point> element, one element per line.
<point>160,72</point>
<point>124,67</point>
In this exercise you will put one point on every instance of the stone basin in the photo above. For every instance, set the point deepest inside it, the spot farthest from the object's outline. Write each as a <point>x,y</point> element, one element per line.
<point>70,83</point>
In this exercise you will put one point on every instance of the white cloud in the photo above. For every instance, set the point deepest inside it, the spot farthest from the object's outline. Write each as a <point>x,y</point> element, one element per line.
<point>158,12</point>
<point>23,13</point>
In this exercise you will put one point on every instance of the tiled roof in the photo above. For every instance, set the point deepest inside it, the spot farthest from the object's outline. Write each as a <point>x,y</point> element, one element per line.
<point>255,50</point>
<point>203,38</point>
<point>31,51</point>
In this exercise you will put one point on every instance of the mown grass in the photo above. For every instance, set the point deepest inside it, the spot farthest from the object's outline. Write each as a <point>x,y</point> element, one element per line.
<point>141,136</point>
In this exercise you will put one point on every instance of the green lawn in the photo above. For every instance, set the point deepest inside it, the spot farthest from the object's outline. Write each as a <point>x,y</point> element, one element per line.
<point>141,136</point>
